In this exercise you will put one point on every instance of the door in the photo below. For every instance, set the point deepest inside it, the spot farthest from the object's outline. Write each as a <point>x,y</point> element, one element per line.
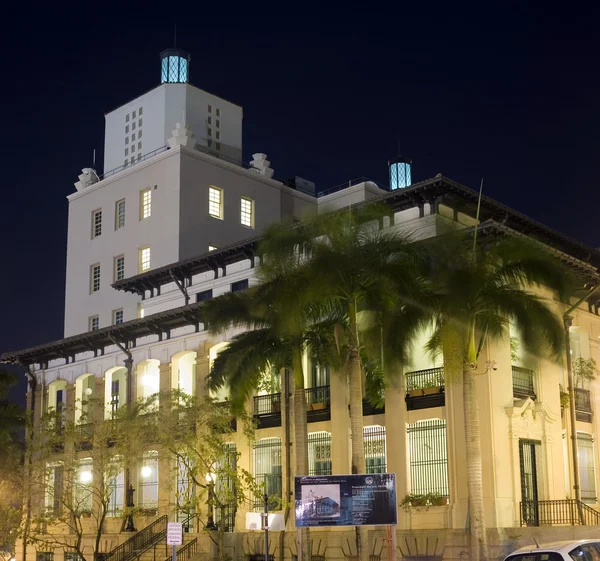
<point>529,458</point>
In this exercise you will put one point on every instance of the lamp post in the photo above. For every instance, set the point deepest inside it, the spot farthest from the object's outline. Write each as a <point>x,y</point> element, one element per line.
<point>129,525</point>
<point>210,483</point>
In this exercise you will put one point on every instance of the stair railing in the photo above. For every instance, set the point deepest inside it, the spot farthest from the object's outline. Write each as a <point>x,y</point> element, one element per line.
<point>138,543</point>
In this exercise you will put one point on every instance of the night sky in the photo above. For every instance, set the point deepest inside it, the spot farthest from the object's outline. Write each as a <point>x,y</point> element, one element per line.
<point>509,93</point>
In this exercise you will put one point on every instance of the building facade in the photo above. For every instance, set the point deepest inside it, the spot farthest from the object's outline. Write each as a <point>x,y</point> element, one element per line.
<point>178,223</point>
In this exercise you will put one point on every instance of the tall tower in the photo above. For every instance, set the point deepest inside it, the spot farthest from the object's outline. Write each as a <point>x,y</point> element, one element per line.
<point>174,66</point>
<point>400,172</point>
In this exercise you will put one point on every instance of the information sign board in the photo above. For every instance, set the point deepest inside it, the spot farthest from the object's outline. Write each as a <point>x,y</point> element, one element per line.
<point>174,533</point>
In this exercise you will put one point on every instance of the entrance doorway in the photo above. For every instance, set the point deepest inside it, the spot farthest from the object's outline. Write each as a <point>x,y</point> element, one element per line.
<point>530,455</point>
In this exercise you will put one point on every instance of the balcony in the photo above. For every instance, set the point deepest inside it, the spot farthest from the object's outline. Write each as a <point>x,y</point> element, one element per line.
<point>523,383</point>
<point>318,405</point>
<point>84,435</point>
<point>583,405</point>
<point>425,389</point>
<point>370,409</point>
<point>267,410</point>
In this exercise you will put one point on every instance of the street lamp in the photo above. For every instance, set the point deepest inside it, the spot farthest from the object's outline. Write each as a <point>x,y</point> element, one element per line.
<point>210,483</point>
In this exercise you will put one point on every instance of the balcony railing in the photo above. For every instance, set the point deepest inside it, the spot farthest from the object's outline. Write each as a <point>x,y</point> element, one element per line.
<point>566,512</point>
<point>267,410</point>
<point>583,405</point>
<point>84,435</point>
<point>318,404</point>
<point>523,383</point>
<point>425,388</point>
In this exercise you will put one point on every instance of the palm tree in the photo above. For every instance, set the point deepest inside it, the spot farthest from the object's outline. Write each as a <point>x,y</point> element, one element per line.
<point>281,327</point>
<point>351,269</point>
<point>474,293</point>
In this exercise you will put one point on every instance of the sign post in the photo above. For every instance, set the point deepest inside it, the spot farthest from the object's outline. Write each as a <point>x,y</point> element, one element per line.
<point>174,536</point>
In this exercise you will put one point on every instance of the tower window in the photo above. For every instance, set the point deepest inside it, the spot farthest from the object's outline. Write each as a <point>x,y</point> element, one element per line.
<point>210,108</point>
<point>119,267</point>
<point>120,214</point>
<point>141,111</point>
<point>218,123</point>
<point>94,323</point>
<point>127,129</point>
<point>118,316</point>
<point>218,146</point>
<point>209,120</point>
<point>139,145</point>
<point>209,131</point>
<point>238,286</point>
<point>215,202</point>
<point>95,278</point>
<point>247,212</point>
<point>126,140</point>
<point>218,112</point>
<point>140,134</point>
<point>218,135</point>
<point>96,223</point>
<point>145,203</point>
<point>139,122</point>
<point>133,126</point>
<point>144,259</point>
<point>127,118</point>
<point>127,151</point>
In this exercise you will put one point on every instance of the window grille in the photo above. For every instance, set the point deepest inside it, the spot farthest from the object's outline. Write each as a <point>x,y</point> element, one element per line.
<point>428,457</point>
<point>375,449</point>
<point>114,398</point>
<point>523,382</point>
<point>267,470</point>
<point>186,489</point>
<point>319,453</point>
<point>225,488</point>
<point>148,481</point>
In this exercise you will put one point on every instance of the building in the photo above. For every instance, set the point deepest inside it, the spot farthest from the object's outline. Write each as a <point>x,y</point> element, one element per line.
<point>179,222</point>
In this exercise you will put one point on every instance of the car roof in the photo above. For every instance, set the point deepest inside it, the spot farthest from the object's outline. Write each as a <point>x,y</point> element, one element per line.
<point>553,546</point>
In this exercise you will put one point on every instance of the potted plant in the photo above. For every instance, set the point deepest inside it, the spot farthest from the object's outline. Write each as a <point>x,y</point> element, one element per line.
<point>436,499</point>
<point>431,387</point>
<point>414,500</point>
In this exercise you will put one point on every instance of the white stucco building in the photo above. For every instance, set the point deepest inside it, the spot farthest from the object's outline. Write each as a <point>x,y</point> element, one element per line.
<point>177,220</point>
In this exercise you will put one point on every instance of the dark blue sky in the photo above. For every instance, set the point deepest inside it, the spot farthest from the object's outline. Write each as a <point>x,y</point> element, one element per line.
<point>510,93</point>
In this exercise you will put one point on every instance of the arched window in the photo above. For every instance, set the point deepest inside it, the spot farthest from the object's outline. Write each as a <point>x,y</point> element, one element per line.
<point>183,375</point>
<point>84,391</point>
<point>222,394</point>
<point>148,381</point>
<point>115,391</point>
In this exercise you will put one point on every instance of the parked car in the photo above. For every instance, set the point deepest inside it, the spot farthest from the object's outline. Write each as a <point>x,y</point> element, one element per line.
<point>578,550</point>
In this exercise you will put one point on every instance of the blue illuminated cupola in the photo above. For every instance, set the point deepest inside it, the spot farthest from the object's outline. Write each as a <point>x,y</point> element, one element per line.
<point>400,176</point>
<point>174,66</point>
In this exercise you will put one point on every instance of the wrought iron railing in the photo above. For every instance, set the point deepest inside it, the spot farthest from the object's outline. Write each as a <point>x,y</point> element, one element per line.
<point>425,379</point>
<point>138,543</point>
<point>523,383</point>
<point>267,404</point>
<point>556,513</point>
<point>84,435</point>
<point>186,552</point>
<point>583,405</point>
<point>317,397</point>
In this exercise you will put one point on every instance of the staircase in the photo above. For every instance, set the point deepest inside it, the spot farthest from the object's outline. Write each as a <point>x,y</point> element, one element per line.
<point>137,544</point>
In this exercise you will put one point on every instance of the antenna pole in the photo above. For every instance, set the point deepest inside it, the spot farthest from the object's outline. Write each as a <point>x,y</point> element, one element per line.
<point>477,220</point>
<point>94,159</point>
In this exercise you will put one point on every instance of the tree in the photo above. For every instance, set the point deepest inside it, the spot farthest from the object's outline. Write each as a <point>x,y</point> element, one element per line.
<point>474,293</point>
<point>12,423</point>
<point>78,474</point>
<point>281,326</point>
<point>194,430</point>
<point>350,268</point>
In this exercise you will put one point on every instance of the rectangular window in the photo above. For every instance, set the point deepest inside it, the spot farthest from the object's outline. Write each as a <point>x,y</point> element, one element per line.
<point>133,114</point>
<point>209,131</point>
<point>126,141</point>
<point>133,137</point>
<point>215,202</point>
<point>95,278</point>
<point>119,267</point>
<point>204,295</point>
<point>218,123</point>
<point>218,112</point>
<point>144,259</point>
<point>212,248</point>
<point>210,108</point>
<point>139,145</point>
<point>54,492</point>
<point>239,285</point>
<point>319,453</point>
<point>127,129</point>
<point>94,323</point>
<point>96,223</point>
<point>209,120</point>
<point>587,472</point>
<point>267,469</point>
<point>133,147</point>
<point>148,481</point>
<point>120,214</point>
<point>127,151</point>
<point>140,311</point>
<point>218,146</point>
<point>145,203</point>
<point>118,317</point>
<point>127,118</point>
<point>133,126</point>
<point>82,486</point>
<point>247,212</point>
<point>428,457</point>
<point>139,134</point>
<point>375,451</point>
<point>116,485</point>
<point>139,122</point>
<point>218,135</point>
<point>141,111</point>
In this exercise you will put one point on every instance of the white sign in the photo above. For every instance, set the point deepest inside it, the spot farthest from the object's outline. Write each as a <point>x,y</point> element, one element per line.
<point>254,522</point>
<point>174,533</point>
